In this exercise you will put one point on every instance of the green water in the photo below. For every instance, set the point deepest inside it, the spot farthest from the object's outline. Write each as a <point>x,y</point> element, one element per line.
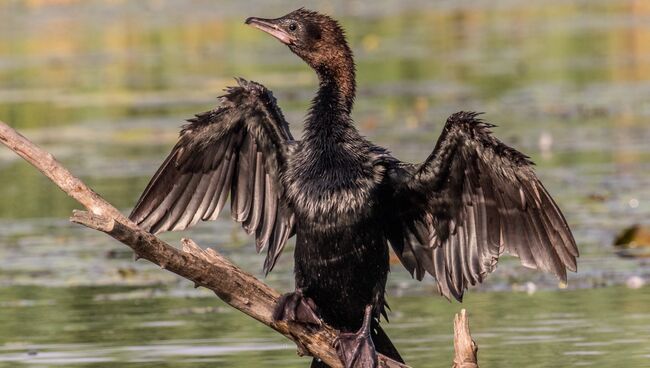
<point>162,327</point>
<point>105,85</point>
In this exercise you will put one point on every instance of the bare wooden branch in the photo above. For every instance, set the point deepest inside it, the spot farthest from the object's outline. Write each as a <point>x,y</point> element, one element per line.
<point>465,348</point>
<point>204,267</point>
<point>50,167</point>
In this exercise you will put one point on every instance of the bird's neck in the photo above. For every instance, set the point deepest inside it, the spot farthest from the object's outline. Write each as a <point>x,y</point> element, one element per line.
<point>329,116</point>
<point>337,82</point>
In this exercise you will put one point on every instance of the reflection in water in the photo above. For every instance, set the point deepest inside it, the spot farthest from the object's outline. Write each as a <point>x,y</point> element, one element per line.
<point>104,85</point>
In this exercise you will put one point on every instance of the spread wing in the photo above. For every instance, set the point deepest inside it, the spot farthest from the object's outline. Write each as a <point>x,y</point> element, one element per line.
<point>471,200</point>
<point>236,149</point>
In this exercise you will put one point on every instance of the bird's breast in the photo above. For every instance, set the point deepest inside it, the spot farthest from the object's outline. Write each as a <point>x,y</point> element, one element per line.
<point>331,195</point>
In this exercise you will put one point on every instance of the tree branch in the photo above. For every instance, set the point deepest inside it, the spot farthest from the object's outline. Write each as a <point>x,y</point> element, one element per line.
<point>59,175</point>
<point>205,268</point>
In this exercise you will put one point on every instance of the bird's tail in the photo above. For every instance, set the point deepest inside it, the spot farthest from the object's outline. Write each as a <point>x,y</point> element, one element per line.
<point>382,343</point>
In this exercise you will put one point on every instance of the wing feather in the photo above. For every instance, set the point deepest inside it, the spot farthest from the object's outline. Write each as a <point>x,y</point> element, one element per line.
<point>236,150</point>
<point>471,200</point>
<point>270,211</point>
<point>258,196</point>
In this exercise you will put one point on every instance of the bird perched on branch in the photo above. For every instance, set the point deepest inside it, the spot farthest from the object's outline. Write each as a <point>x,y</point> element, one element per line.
<point>346,199</point>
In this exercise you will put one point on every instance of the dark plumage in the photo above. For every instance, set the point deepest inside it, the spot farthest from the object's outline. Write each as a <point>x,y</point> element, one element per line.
<point>346,199</point>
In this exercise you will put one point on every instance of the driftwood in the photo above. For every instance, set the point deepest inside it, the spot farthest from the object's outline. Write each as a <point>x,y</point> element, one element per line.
<point>205,268</point>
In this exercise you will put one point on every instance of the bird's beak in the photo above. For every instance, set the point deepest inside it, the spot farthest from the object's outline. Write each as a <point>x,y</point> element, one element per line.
<point>269,26</point>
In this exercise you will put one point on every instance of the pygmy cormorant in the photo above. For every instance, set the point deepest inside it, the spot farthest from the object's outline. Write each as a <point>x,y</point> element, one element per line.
<point>346,199</point>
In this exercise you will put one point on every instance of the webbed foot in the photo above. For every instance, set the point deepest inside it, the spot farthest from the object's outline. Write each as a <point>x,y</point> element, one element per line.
<point>297,307</point>
<point>357,350</point>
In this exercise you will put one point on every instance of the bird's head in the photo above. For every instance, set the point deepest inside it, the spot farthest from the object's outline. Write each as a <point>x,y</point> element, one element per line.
<point>318,39</point>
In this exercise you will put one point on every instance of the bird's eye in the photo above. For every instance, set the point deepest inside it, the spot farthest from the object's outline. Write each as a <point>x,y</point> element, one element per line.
<point>293,27</point>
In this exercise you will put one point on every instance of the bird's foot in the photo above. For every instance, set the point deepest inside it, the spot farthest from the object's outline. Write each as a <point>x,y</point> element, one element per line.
<point>296,307</point>
<point>357,350</point>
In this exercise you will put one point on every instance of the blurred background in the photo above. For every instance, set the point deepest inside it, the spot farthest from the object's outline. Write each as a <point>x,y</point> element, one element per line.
<point>105,86</point>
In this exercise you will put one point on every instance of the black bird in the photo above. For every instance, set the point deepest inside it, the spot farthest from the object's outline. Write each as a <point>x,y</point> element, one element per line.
<point>346,199</point>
